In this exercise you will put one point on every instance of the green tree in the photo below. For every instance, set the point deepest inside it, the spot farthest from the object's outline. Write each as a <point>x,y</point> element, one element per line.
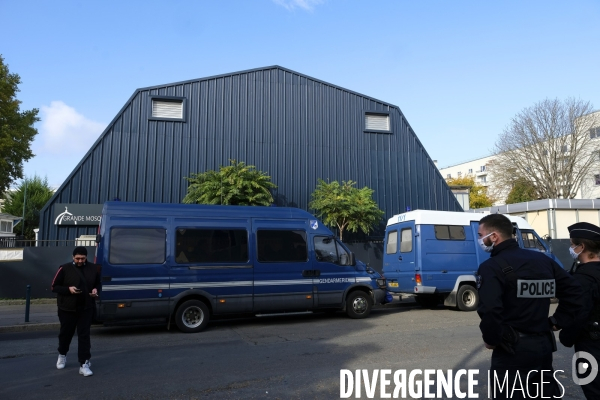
<point>345,206</point>
<point>38,194</point>
<point>478,195</point>
<point>16,129</point>
<point>522,191</point>
<point>237,184</point>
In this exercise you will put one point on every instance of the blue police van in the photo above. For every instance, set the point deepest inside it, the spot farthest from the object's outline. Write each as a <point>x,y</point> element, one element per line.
<point>435,255</point>
<point>187,263</point>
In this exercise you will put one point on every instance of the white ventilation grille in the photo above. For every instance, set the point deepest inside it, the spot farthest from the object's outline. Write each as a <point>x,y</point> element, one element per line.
<point>167,109</point>
<point>377,122</point>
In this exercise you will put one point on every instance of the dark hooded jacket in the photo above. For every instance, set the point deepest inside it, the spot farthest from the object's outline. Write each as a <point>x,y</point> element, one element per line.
<point>70,274</point>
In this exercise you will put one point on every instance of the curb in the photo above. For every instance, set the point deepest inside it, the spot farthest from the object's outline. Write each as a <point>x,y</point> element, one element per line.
<point>21,302</point>
<point>30,327</point>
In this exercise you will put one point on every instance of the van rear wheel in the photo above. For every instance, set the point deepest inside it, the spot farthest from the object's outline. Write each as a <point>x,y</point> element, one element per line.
<point>467,298</point>
<point>358,304</point>
<point>192,316</point>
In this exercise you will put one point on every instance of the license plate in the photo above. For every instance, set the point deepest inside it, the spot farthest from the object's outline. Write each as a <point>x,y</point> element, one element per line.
<point>393,284</point>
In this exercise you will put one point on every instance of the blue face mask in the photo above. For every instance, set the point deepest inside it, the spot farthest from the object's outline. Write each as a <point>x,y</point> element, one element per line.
<point>485,247</point>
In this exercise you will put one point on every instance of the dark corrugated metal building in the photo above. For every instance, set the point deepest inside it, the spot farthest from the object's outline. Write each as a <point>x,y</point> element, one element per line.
<point>294,127</point>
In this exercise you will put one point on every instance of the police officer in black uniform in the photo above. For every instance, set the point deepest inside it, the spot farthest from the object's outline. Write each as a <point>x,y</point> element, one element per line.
<point>585,334</point>
<point>515,287</point>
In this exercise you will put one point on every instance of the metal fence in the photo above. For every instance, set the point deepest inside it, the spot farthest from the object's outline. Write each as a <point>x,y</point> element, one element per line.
<point>19,242</point>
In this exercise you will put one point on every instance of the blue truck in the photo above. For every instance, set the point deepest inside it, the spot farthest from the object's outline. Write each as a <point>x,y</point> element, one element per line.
<point>434,255</point>
<point>187,263</point>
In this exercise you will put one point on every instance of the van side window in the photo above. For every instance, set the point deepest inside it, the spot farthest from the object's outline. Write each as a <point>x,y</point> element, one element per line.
<point>392,242</point>
<point>211,245</point>
<point>137,246</point>
<point>343,256</point>
<point>406,240</point>
<point>449,232</point>
<point>325,250</point>
<point>281,246</point>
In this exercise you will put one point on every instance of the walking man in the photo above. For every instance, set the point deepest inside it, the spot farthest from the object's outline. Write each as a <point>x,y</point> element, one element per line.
<point>77,285</point>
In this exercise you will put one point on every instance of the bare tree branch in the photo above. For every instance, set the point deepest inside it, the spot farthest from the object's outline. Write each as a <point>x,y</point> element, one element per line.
<point>548,145</point>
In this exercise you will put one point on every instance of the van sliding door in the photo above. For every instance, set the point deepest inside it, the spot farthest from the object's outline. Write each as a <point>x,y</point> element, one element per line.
<point>136,273</point>
<point>212,257</point>
<point>283,275</point>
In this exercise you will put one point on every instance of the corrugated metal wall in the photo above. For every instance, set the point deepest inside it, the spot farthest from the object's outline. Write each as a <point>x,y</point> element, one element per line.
<point>295,128</point>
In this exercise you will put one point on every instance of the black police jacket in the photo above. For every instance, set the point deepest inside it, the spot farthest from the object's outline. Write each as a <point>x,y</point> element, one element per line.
<point>67,276</point>
<point>520,297</point>
<point>588,275</point>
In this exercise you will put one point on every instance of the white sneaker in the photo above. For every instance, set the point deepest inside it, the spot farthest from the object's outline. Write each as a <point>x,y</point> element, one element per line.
<point>62,361</point>
<point>85,369</point>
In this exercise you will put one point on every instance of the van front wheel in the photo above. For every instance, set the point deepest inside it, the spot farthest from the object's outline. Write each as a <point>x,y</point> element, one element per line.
<point>358,304</point>
<point>467,298</point>
<point>192,316</point>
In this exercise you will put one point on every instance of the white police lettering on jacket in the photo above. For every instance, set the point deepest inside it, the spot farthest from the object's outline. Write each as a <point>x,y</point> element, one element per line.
<point>536,289</point>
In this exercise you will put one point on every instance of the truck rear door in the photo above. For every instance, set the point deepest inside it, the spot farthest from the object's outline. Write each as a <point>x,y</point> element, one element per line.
<point>399,260</point>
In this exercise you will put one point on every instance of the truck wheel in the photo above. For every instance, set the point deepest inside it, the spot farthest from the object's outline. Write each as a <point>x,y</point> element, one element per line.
<point>427,300</point>
<point>467,298</point>
<point>192,316</point>
<point>358,304</point>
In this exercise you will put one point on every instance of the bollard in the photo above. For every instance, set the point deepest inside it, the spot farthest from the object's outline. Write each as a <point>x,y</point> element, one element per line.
<point>27,300</point>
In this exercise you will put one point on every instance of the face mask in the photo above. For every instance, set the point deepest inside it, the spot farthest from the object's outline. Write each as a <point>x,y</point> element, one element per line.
<point>486,248</point>
<point>573,254</point>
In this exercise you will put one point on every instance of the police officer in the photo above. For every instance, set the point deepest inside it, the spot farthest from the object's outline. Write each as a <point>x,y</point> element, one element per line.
<point>585,334</point>
<point>515,286</point>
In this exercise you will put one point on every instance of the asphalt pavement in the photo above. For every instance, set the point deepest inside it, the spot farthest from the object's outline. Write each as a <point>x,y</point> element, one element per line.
<point>283,357</point>
<point>43,315</point>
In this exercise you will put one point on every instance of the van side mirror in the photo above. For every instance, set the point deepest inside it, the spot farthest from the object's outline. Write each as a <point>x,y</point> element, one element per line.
<point>98,238</point>
<point>352,260</point>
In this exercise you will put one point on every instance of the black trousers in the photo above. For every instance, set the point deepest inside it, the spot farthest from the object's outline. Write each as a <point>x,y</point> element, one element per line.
<point>592,389</point>
<point>80,320</point>
<point>523,370</point>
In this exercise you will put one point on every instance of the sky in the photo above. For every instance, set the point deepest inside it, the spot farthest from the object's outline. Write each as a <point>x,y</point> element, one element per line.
<point>458,70</point>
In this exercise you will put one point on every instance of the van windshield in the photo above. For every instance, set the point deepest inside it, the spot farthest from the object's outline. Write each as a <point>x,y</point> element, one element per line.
<point>532,241</point>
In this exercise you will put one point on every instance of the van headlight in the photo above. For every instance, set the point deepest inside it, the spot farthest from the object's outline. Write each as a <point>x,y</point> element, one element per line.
<point>381,282</point>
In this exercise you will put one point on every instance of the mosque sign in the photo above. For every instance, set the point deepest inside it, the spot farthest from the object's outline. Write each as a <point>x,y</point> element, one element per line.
<point>77,214</point>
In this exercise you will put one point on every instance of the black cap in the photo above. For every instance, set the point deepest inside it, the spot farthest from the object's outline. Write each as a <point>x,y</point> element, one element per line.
<point>584,230</point>
<point>82,251</point>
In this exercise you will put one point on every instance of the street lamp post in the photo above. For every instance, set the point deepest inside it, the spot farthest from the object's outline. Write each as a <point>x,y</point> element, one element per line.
<point>24,202</point>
